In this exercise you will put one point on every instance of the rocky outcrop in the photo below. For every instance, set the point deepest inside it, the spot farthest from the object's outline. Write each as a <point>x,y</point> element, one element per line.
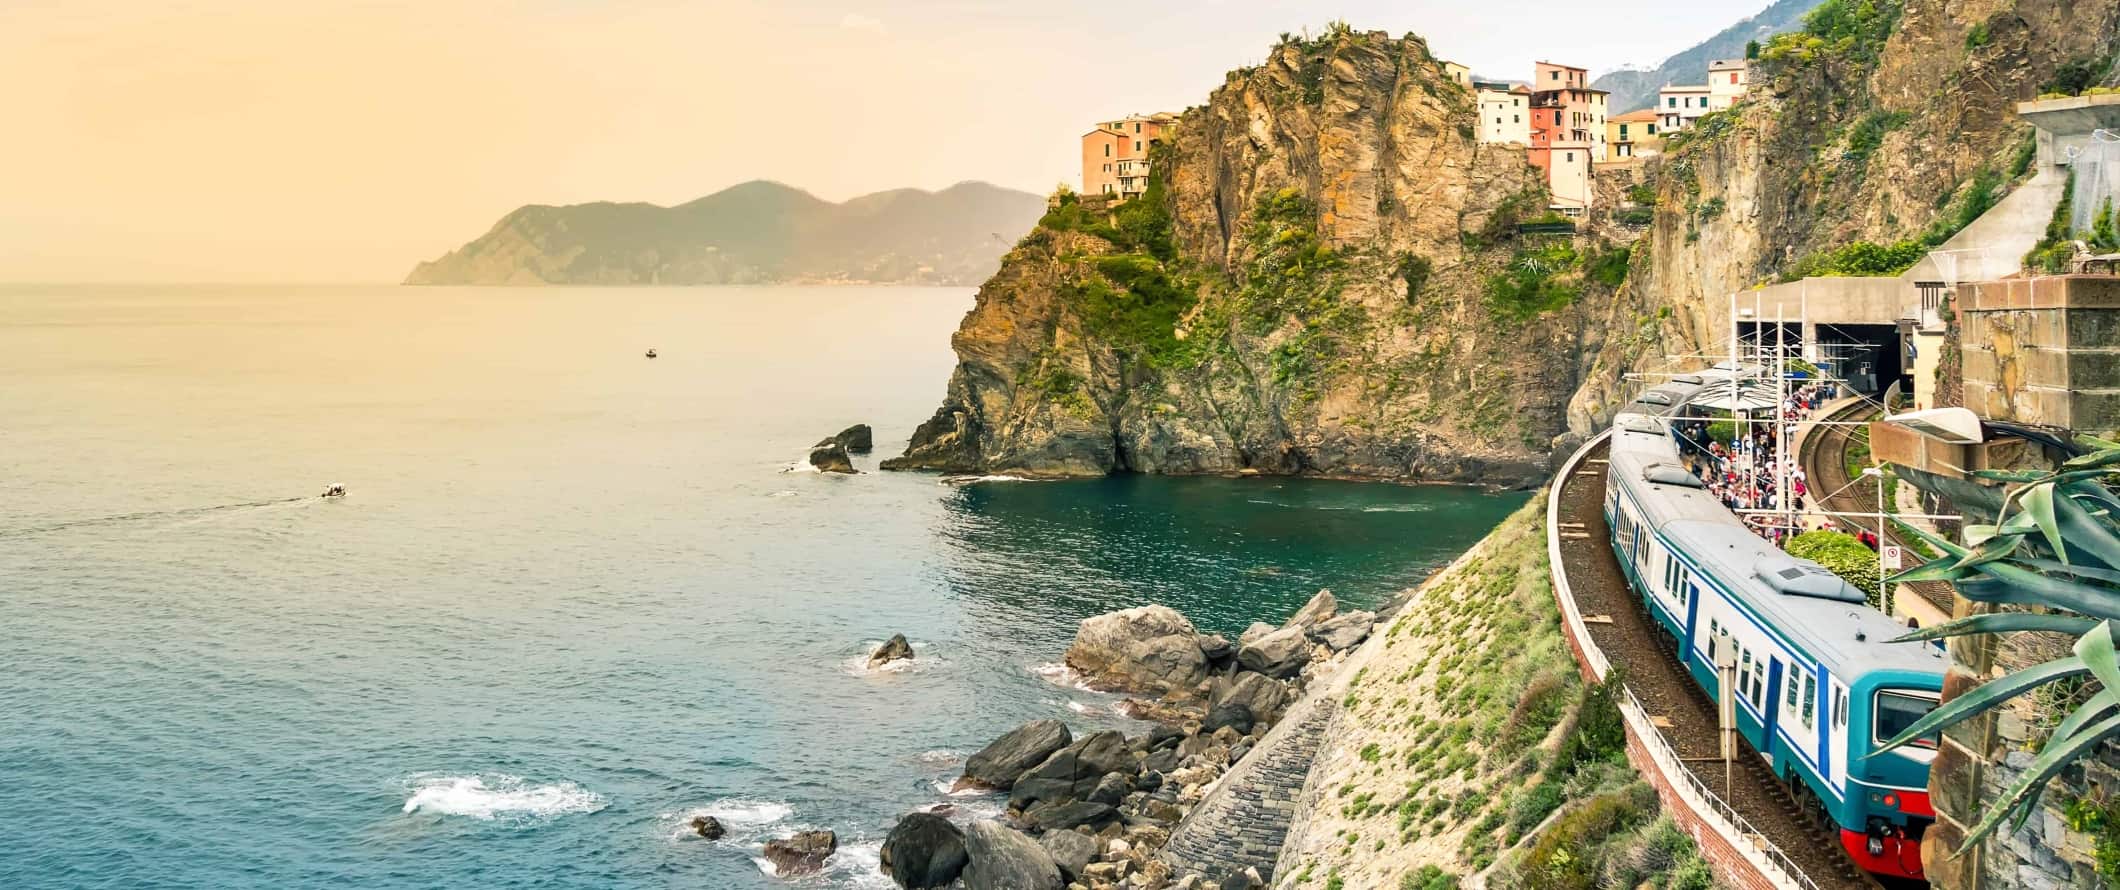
<point>1304,290</point>
<point>831,457</point>
<point>801,854</point>
<point>894,649</point>
<point>1342,631</point>
<point>708,827</point>
<point>1150,649</point>
<point>923,851</point>
<point>856,439</point>
<point>1071,773</point>
<point>997,765</point>
<point>1279,655</point>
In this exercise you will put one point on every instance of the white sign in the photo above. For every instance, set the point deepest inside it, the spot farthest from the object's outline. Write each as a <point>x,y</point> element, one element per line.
<point>1892,557</point>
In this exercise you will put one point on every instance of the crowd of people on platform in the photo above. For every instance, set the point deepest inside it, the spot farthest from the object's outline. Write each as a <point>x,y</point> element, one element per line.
<point>1746,472</point>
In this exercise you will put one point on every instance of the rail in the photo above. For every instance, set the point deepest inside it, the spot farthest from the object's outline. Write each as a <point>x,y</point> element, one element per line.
<point>1768,860</point>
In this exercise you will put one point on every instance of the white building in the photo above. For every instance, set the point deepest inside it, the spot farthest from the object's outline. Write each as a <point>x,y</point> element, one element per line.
<point>1504,112</point>
<point>1458,74</point>
<point>1727,81</point>
<point>1678,107</point>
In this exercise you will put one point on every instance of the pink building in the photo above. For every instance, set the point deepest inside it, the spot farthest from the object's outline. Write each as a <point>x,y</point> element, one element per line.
<point>1115,154</point>
<point>1567,131</point>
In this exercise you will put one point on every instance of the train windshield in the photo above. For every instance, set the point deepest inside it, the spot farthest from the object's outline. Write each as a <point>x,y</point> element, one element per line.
<point>1896,711</point>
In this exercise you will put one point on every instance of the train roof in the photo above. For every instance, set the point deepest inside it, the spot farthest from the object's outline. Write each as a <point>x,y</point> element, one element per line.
<point>1802,600</point>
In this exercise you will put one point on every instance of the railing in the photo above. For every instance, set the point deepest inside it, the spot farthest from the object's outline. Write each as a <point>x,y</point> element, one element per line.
<point>1749,842</point>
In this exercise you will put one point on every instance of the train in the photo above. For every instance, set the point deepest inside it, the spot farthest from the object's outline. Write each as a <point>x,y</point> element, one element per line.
<point>1818,685</point>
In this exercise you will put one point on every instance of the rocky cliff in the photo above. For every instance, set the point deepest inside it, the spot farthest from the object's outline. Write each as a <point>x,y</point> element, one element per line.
<point>1326,278</point>
<point>755,233</point>
<point>1881,127</point>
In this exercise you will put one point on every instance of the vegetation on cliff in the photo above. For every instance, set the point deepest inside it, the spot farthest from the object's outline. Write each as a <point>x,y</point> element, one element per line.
<point>1326,275</point>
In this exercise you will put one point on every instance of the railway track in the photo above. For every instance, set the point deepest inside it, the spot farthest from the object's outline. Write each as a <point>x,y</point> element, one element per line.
<point>1681,711</point>
<point>1824,460</point>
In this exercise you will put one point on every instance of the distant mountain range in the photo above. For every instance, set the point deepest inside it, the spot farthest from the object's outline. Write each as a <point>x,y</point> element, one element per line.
<point>754,233</point>
<point>1633,89</point>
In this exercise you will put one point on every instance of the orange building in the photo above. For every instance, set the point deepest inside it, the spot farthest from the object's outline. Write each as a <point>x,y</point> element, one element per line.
<point>1567,132</point>
<point>1115,154</point>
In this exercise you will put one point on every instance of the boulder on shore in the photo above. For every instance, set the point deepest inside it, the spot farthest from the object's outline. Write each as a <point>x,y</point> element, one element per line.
<point>856,439</point>
<point>831,457</point>
<point>802,854</point>
<point>1264,696</point>
<point>1254,632</point>
<point>1216,647</point>
<point>1320,607</point>
<point>924,851</point>
<point>1071,850</point>
<point>1235,715</point>
<point>894,649</point>
<point>998,764</point>
<point>1150,649</point>
<point>1071,773</point>
<point>1279,655</point>
<point>708,827</point>
<point>1060,816</point>
<point>1002,858</point>
<point>1343,632</point>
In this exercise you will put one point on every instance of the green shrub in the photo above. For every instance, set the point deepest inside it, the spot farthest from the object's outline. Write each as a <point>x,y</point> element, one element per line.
<point>1843,555</point>
<point>2027,151</point>
<point>1413,270</point>
<point>2073,77</point>
<point>1635,216</point>
<point>1429,877</point>
<point>1537,281</point>
<point>1862,258</point>
<point>1609,268</point>
<point>1868,133</point>
<point>2053,252</point>
<point>1978,36</point>
<point>1532,808</point>
<point>2102,236</point>
<point>1643,194</point>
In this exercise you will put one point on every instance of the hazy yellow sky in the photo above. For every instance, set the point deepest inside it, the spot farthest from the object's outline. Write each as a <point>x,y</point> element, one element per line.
<point>231,140</point>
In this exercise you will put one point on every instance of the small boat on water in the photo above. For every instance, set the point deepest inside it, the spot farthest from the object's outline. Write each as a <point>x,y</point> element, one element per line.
<point>651,353</point>
<point>334,490</point>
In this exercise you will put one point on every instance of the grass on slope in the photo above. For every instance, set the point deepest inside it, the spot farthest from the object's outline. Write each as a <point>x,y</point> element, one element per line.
<point>1469,729</point>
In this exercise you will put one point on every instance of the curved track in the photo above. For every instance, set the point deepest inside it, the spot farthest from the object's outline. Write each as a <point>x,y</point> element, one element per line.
<point>1683,714</point>
<point>1824,457</point>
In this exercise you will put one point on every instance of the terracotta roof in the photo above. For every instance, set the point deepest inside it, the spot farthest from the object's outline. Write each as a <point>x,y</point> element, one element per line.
<point>1644,115</point>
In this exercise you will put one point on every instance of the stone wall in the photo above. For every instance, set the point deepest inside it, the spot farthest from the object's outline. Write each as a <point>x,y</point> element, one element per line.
<point>1244,819</point>
<point>2043,350</point>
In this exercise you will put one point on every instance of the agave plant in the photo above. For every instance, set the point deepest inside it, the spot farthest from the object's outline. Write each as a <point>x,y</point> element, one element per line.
<point>2055,546</point>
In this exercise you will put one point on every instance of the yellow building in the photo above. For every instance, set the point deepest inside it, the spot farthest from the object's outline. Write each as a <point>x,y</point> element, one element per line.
<point>1635,134</point>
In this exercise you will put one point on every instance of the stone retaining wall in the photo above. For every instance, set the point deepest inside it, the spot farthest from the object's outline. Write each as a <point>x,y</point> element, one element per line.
<point>1243,820</point>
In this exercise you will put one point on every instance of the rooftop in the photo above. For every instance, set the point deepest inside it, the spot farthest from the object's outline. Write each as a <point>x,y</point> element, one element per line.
<point>1726,65</point>
<point>1688,88</point>
<point>1644,116</point>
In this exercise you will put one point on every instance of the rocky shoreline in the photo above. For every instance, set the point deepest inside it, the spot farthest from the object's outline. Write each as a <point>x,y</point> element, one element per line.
<point>1092,812</point>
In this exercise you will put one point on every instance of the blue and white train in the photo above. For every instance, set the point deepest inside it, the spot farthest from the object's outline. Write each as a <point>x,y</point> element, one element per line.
<point>1818,686</point>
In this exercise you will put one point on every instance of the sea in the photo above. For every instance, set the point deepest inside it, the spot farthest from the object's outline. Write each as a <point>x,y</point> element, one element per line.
<point>573,597</point>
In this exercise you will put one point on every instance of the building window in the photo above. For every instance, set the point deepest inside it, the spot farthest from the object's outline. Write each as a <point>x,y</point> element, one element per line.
<point>1670,102</point>
<point>1556,75</point>
<point>1514,119</point>
<point>1107,149</point>
<point>1137,145</point>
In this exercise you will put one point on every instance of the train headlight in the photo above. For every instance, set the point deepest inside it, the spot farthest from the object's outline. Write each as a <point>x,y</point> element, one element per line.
<point>1875,845</point>
<point>1891,800</point>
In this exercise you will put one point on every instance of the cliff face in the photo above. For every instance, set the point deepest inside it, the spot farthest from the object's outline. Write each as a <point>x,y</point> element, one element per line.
<point>1326,279</point>
<point>755,233</point>
<point>1887,122</point>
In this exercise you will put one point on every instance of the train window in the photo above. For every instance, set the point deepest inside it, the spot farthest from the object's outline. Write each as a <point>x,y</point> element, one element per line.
<point>1897,711</point>
<point>1840,707</point>
<point>1810,698</point>
<point>1788,704</point>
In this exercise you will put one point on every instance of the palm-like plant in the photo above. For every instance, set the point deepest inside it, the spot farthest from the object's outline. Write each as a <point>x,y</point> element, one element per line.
<point>2056,545</point>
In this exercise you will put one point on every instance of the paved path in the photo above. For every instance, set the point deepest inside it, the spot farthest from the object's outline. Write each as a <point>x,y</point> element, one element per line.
<point>1244,819</point>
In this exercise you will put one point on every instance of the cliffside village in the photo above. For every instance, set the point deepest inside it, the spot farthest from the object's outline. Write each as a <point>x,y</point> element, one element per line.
<point>1559,119</point>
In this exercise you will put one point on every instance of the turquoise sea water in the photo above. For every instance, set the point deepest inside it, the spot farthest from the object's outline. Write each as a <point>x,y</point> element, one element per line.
<point>572,599</point>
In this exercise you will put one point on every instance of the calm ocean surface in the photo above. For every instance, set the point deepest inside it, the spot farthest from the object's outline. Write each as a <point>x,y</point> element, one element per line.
<point>572,598</point>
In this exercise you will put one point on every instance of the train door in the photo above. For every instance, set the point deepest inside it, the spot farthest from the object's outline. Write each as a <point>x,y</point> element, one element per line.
<point>1769,716</point>
<point>1836,767</point>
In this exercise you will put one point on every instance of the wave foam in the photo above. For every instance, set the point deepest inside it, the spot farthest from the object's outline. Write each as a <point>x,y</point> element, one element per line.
<point>974,480</point>
<point>1062,675</point>
<point>496,796</point>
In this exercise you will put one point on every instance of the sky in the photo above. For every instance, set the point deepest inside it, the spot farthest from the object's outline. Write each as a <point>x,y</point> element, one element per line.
<point>324,141</point>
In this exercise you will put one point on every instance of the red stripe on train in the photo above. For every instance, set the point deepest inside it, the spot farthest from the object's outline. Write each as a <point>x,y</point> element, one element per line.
<point>1900,857</point>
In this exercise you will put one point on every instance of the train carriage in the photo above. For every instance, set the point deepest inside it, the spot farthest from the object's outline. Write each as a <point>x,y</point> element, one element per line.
<point>1818,686</point>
